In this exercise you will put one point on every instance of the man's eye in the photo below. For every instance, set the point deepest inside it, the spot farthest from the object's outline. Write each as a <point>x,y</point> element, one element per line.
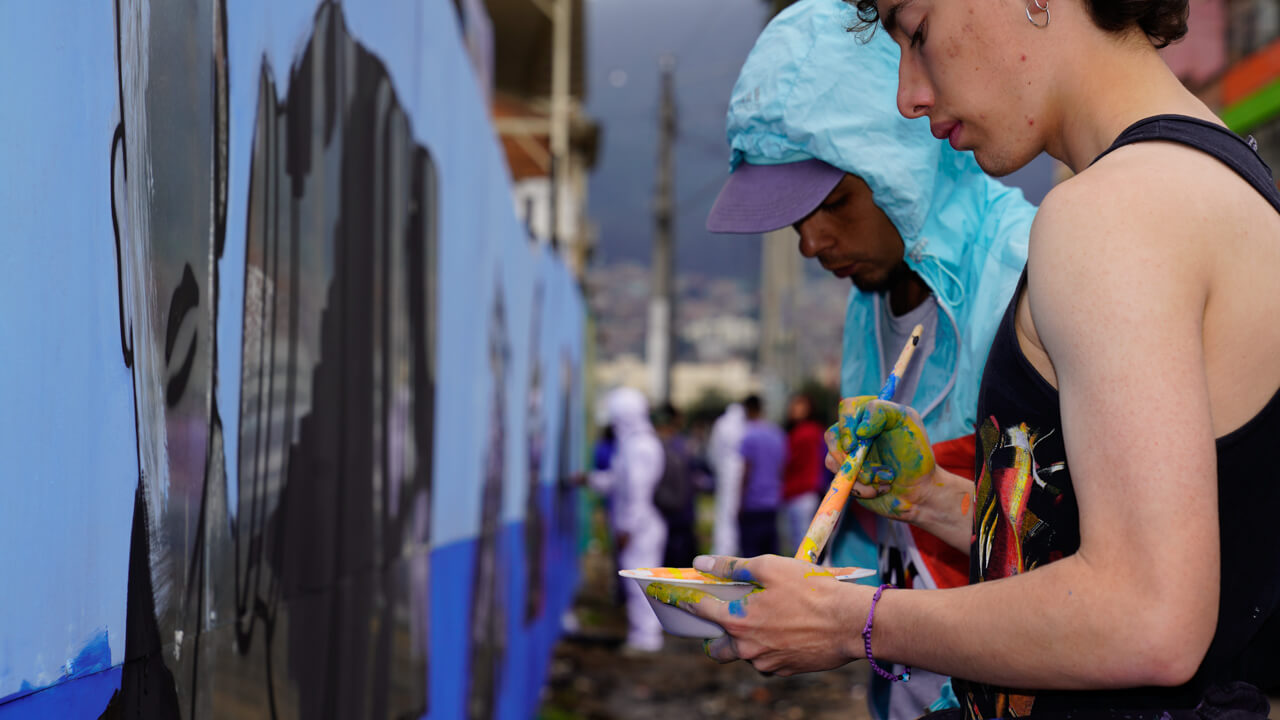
<point>834,204</point>
<point>917,38</point>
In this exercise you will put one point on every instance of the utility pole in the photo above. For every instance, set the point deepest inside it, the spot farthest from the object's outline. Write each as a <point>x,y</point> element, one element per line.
<point>561,14</point>
<point>660,343</point>
<point>781,273</point>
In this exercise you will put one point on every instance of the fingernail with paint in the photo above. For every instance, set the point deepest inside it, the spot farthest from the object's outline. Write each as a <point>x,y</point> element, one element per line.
<point>704,563</point>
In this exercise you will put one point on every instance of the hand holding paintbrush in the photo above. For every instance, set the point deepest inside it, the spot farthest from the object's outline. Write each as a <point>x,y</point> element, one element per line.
<point>824,521</point>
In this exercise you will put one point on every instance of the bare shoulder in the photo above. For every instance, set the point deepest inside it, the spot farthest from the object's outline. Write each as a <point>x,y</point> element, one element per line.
<point>1151,205</point>
<point>1162,235</point>
<point>1157,209</point>
<point>1124,239</point>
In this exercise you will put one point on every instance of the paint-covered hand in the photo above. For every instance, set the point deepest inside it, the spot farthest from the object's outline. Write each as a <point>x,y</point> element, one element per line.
<point>798,619</point>
<point>894,480</point>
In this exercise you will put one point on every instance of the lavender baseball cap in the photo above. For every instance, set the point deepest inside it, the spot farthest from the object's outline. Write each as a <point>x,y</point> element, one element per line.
<point>763,198</point>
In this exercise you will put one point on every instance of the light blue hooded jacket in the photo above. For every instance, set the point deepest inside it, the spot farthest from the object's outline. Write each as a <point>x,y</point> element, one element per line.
<point>812,89</point>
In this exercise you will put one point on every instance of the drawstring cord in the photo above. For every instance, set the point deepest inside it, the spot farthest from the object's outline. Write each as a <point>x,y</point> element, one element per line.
<point>950,290</point>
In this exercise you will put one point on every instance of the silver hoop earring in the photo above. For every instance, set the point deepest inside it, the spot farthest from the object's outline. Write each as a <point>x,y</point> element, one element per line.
<point>1042,8</point>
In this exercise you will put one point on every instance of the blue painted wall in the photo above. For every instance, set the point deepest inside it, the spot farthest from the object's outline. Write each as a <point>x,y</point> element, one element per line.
<point>290,403</point>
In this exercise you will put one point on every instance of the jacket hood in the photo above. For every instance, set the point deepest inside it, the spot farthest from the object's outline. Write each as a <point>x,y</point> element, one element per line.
<point>629,412</point>
<point>810,88</point>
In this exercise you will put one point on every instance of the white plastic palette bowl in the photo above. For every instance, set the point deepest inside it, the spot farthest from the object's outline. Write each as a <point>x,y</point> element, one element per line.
<point>683,623</point>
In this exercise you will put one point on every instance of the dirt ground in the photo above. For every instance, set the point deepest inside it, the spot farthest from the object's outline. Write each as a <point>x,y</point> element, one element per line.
<point>591,678</point>
<point>596,682</point>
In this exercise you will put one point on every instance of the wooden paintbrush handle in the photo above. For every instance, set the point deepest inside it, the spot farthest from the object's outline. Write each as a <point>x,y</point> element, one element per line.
<point>824,521</point>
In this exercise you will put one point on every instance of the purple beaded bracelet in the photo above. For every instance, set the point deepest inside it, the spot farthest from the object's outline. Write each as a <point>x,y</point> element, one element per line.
<point>866,637</point>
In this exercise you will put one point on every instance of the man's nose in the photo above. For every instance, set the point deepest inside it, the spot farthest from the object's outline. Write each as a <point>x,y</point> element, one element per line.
<point>915,96</point>
<point>811,241</point>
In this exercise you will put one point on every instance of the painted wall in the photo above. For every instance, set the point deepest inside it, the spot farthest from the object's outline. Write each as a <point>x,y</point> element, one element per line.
<point>290,403</point>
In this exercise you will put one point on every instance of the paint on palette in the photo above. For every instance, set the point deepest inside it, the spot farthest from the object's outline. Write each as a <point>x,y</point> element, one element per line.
<point>677,595</point>
<point>685,574</point>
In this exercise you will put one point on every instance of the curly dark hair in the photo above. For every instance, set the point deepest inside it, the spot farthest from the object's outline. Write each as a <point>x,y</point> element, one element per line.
<point>1164,21</point>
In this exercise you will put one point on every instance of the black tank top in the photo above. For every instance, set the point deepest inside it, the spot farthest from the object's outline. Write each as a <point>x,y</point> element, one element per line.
<point>1026,513</point>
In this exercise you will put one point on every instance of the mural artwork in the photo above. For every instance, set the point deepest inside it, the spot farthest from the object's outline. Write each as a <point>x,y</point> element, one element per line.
<point>298,255</point>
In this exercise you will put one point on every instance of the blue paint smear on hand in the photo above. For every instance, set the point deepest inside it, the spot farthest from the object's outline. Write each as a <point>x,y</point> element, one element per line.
<point>738,608</point>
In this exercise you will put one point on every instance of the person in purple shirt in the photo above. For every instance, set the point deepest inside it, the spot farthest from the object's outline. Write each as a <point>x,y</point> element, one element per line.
<point>764,454</point>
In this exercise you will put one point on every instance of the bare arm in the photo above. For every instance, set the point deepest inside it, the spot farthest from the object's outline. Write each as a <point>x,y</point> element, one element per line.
<point>1117,299</point>
<point>948,515</point>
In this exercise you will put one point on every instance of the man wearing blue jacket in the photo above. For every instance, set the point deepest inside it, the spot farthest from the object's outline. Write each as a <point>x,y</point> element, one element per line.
<point>923,234</point>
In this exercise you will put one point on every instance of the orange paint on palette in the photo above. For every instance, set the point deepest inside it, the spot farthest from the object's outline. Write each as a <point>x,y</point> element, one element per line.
<point>667,573</point>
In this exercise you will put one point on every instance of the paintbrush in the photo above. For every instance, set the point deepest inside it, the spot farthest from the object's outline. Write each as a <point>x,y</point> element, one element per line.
<point>824,521</point>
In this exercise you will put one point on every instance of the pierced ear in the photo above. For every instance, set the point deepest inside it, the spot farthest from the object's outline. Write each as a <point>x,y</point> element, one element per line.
<point>119,227</point>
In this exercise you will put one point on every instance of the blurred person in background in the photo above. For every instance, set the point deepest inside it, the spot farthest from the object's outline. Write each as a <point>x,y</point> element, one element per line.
<point>602,453</point>
<point>725,457</point>
<point>764,452</point>
<point>637,466</point>
<point>923,234</point>
<point>806,451</point>
<point>674,495</point>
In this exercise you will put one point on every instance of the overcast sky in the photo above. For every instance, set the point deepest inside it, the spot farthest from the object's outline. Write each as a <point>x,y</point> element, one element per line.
<point>710,40</point>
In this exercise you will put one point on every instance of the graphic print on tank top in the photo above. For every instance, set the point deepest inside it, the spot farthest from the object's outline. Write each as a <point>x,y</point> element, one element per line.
<point>1017,510</point>
<point>1017,499</point>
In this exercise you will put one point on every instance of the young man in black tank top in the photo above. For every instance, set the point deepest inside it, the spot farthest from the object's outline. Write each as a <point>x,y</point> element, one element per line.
<point>1127,410</point>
